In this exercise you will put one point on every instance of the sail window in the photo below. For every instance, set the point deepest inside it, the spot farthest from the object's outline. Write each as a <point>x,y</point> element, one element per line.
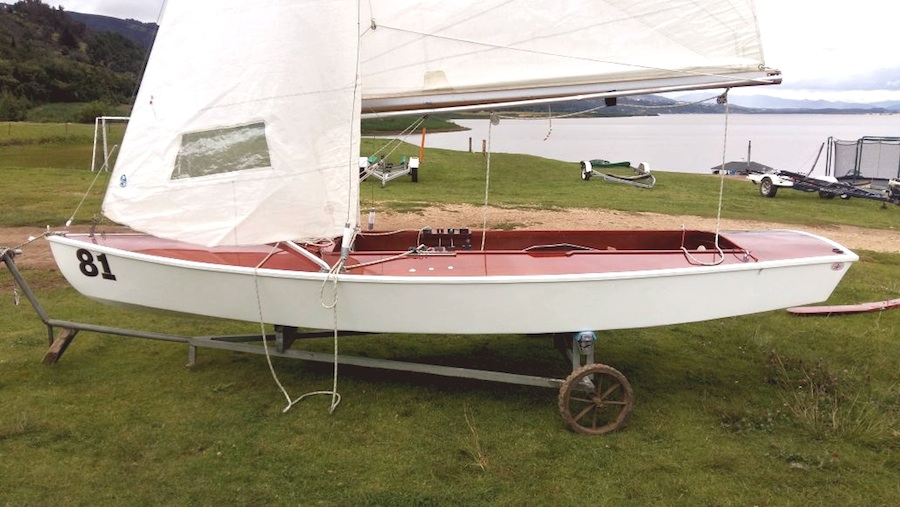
<point>222,150</point>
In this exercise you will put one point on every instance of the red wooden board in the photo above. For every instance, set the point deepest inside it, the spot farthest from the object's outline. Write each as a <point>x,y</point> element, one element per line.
<point>876,306</point>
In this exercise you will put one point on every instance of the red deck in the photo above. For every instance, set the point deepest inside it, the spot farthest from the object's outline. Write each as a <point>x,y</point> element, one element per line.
<point>457,252</point>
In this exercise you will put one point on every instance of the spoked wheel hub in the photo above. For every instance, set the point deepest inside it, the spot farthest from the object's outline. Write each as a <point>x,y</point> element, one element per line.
<point>595,399</point>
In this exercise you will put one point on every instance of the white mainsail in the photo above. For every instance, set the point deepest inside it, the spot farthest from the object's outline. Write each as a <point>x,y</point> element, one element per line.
<point>246,126</point>
<point>239,133</point>
<point>436,53</point>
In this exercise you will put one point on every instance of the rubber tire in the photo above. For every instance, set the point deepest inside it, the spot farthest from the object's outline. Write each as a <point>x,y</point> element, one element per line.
<point>826,195</point>
<point>767,188</point>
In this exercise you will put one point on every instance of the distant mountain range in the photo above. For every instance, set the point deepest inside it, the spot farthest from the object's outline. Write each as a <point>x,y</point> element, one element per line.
<point>144,33</point>
<point>704,103</point>
<point>766,102</point>
<point>137,31</point>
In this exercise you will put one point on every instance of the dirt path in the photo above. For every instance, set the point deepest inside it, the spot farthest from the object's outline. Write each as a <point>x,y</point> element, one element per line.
<point>880,240</point>
<point>37,253</point>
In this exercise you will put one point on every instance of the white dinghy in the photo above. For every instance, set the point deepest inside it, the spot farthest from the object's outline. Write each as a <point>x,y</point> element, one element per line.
<point>239,170</point>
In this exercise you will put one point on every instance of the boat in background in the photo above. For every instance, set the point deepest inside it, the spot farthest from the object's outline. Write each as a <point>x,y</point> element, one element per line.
<point>240,169</point>
<point>639,177</point>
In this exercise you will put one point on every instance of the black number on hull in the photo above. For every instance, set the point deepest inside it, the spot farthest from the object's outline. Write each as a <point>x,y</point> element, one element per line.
<point>88,268</point>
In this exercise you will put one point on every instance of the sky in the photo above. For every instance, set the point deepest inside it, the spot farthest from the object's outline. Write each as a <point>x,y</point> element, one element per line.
<point>826,51</point>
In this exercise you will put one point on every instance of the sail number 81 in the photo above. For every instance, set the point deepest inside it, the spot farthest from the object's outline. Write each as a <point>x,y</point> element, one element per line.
<point>89,268</point>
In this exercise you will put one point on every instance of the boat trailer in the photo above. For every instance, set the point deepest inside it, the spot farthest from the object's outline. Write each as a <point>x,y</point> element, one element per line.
<point>828,187</point>
<point>385,171</point>
<point>642,178</point>
<point>594,399</point>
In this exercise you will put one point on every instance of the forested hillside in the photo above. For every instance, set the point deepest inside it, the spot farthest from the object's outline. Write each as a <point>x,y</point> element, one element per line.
<point>46,56</point>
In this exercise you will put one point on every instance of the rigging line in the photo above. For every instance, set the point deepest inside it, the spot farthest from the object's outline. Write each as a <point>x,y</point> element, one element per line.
<point>140,77</point>
<point>418,250</point>
<point>103,169</point>
<point>387,233</point>
<point>397,140</point>
<point>333,306</point>
<point>676,104</point>
<point>406,132</point>
<point>30,240</point>
<point>487,180</point>
<point>693,260</point>
<point>597,108</point>
<point>355,135</point>
<point>722,99</point>
<point>549,123</point>
<point>262,328</point>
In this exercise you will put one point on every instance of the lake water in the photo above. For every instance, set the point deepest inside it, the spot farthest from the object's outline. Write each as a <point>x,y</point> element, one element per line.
<point>678,143</point>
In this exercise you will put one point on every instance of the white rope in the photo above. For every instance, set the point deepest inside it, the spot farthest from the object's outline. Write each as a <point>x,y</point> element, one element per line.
<point>335,396</point>
<point>487,183</point>
<point>387,233</point>
<point>721,99</point>
<point>402,135</point>
<point>693,260</point>
<point>549,123</point>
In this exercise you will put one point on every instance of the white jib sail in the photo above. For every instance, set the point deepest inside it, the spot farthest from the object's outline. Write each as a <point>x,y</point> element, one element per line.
<point>436,53</point>
<point>246,126</point>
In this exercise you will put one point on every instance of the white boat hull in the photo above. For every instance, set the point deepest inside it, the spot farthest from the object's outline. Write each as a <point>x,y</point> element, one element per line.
<point>448,304</point>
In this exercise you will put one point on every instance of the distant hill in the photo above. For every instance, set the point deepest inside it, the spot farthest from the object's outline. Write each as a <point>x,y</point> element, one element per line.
<point>703,102</point>
<point>136,31</point>
<point>769,104</point>
<point>48,56</point>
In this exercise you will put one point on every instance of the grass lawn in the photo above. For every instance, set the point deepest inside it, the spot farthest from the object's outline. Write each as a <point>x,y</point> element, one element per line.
<point>767,409</point>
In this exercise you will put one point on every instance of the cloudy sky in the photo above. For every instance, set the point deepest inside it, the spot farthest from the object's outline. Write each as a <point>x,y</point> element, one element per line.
<point>829,53</point>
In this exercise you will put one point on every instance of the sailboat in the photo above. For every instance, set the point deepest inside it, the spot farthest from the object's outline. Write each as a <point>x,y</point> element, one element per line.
<point>239,170</point>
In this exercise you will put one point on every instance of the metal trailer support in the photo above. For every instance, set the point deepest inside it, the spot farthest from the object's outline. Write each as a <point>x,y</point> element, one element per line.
<point>594,399</point>
<point>386,172</point>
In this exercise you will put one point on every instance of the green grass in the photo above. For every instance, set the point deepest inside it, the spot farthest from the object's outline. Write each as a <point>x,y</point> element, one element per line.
<point>522,181</point>
<point>62,112</point>
<point>766,409</point>
<point>397,124</point>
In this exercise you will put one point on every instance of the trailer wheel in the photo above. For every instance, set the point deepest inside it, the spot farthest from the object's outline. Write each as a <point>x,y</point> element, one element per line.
<point>767,188</point>
<point>595,399</point>
<point>826,195</point>
<point>586,170</point>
